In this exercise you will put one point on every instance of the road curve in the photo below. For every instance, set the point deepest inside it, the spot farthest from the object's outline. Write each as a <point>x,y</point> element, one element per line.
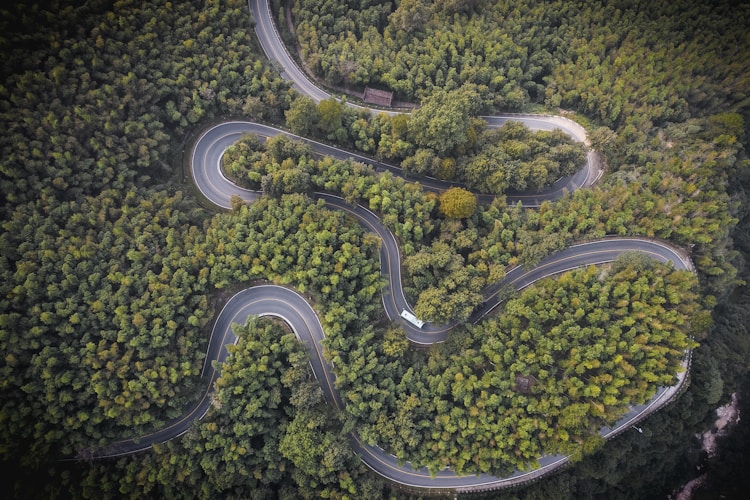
<point>269,300</point>
<point>218,189</point>
<point>208,177</point>
<point>292,308</point>
<point>262,300</point>
<point>277,53</point>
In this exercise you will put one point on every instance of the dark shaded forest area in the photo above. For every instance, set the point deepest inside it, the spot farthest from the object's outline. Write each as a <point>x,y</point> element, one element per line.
<point>113,268</point>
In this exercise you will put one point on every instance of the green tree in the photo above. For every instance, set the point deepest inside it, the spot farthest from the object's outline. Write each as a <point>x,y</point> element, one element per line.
<point>443,120</point>
<point>410,15</point>
<point>331,123</point>
<point>457,203</point>
<point>303,116</point>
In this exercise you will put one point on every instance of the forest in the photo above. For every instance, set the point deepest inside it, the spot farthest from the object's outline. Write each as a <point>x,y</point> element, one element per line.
<point>458,146</point>
<point>655,310</point>
<point>113,267</point>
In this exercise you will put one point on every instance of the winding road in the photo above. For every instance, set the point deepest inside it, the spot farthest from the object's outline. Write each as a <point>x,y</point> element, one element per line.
<point>270,300</point>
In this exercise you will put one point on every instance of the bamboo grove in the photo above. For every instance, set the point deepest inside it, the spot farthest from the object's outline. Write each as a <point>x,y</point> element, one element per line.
<point>113,269</point>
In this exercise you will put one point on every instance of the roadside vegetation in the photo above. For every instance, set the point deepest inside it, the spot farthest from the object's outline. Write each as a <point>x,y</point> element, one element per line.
<point>111,272</point>
<point>592,342</point>
<point>561,361</point>
<point>445,139</point>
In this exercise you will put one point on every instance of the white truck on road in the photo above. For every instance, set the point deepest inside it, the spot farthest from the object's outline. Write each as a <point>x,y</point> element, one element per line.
<point>412,319</point>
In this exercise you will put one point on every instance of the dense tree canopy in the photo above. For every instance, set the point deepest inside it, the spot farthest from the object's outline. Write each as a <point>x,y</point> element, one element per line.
<point>269,426</point>
<point>564,358</point>
<point>577,54</point>
<point>444,120</point>
<point>514,158</point>
<point>111,272</point>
